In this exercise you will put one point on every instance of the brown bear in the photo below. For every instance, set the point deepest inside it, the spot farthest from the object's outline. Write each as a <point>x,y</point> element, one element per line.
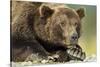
<point>44,30</point>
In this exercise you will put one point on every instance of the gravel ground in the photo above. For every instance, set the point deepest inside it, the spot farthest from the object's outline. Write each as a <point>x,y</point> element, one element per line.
<point>29,63</point>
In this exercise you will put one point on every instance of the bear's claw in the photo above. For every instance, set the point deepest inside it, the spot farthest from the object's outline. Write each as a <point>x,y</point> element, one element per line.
<point>76,54</point>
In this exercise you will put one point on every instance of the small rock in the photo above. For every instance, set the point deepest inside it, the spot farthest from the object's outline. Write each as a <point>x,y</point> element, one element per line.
<point>26,63</point>
<point>44,61</point>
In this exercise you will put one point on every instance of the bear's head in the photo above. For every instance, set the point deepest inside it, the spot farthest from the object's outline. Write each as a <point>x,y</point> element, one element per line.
<point>60,25</point>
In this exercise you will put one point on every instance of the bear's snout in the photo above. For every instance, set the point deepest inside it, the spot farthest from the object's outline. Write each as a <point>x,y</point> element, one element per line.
<point>74,38</point>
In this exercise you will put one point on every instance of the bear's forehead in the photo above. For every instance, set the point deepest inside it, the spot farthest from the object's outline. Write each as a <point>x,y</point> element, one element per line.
<point>65,15</point>
<point>71,13</point>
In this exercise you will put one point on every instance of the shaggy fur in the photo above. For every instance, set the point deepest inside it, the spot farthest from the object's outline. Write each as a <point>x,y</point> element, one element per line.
<point>38,28</point>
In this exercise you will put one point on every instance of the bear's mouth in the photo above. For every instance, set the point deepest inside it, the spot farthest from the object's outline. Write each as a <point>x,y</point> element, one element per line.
<point>71,42</point>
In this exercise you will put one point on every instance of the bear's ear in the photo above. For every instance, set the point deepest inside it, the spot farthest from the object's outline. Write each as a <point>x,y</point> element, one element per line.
<point>81,12</point>
<point>46,11</point>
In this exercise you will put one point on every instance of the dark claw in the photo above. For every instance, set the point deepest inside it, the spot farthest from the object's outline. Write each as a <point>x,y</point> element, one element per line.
<point>83,56</point>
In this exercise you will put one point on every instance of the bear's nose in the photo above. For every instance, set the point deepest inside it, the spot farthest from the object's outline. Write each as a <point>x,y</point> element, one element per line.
<point>74,36</point>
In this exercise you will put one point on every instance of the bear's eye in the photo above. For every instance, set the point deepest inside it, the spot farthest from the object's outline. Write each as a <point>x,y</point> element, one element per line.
<point>62,23</point>
<point>75,24</point>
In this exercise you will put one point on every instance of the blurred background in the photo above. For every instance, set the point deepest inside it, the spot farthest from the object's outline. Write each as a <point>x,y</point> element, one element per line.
<point>88,37</point>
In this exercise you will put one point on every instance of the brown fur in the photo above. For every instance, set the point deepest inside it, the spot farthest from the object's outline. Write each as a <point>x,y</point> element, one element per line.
<point>41,29</point>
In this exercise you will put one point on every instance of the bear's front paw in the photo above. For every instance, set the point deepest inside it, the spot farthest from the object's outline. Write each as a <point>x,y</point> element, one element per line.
<point>76,54</point>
